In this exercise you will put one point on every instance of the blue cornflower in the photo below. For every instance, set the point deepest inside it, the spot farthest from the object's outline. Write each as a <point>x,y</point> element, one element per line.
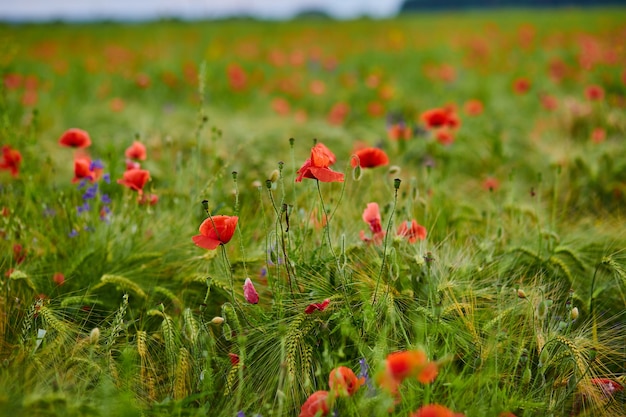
<point>105,199</point>
<point>107,178</point>
<point>82,208</point>
<point>96,164</point>
<point>91,192</point>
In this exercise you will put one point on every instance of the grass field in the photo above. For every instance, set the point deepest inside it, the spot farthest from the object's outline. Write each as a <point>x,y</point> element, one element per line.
<point>213,218</point>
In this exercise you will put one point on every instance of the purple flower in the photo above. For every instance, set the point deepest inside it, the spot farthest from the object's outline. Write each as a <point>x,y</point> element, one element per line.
<point>91,192</point>
<point>73,233</point>
<point>107,178</point>
<point>82,208</point>
<point>96,164</point>
<point>105,199</point>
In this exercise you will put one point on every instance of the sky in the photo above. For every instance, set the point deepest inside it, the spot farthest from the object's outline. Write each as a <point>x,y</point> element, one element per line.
<point>147,9</point>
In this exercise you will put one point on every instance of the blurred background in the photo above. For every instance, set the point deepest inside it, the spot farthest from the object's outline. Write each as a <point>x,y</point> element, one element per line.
<point>82,10</point>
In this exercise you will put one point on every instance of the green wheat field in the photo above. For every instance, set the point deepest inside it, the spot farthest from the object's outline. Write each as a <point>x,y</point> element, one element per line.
<point>419,216</point>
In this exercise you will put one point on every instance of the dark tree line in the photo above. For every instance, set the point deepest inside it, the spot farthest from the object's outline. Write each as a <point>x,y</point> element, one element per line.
<point>420,5</point>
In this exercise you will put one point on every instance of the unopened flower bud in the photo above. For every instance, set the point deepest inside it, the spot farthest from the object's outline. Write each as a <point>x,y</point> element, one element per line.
<point>394,170</point>
<point>521,293</point>
<point>94,335</point>
<point>217,320</point>
<point>573,314</point>
<point>275,175</point>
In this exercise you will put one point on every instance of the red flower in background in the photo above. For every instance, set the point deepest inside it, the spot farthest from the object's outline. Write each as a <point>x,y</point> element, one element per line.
<point>441,117</point>
<point>135,179</point>
<point>11,160</point>
<point>433,118</point>
<point>83,169</point>
<point>371,216</point>
<point>444,136</point>
<point>399,131</point>
<point>317,166</point>
<point>521,85</point>
<point>549,102</point>
<point>343,381</point>
<point>75,138</point>
<point>473,107</point>
<point>19,253</point>
<point>315,405</point>
<point>598,135</point>
<point>215,231</point>
<point>234,359</point>
<point>491,184</point>
<point>317,306</point>
<point>58,278</point>
<point>412,230</point>
<point>136,151</point>
<point>370,158</point>
<point>338,113</point>
<point>434,410</point>
<point>594,93</point>
<point>406,364</point>
<point>237,77</point>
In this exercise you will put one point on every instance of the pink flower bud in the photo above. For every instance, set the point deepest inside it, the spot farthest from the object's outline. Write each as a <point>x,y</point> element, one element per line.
<point>249,292</point>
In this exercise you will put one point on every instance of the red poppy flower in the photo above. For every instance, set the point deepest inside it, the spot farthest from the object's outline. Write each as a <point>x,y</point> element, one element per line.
<point>150,200</point>
<point>136,151</point>
<point>406,364</point>
<point>82,169</point>
<point>491,184</point>
<point>316,167</point>
<point>11,160</point>
<point>249,292</point>
<point>370,158</point>
<point>435,410</point>
<point>234,358</point>
<point>58,278</point>
<point>435,117</point>
<point>316,405</point>
<point>135,179</point>
<point>473,107</point>
<point>399,131</point>
<point>338,113</point>
<point>19,253</point>
<point>594,93</point>
<point>549,102</point>
<point>75,138</point>
<point>317,306</point>
<point>598,135</point>
<point>237,77</point>
<point>608,386</point>
<point>371,216</point>
<point>343,381</point>
<point>412,230</point>
<point>444,136</point>
<point>521,85</point>
<point>215,231</point>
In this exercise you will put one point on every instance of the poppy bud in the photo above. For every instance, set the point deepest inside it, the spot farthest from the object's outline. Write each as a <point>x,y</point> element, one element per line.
<point>217,320</point>
<point>573,314</point>
<point>94,335</point>
<point>357,173</point>
<point>526,376</point>
<point>396,183</point>
<point>521,293</point>
<point>394,170</point>
<point>249,292</point>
